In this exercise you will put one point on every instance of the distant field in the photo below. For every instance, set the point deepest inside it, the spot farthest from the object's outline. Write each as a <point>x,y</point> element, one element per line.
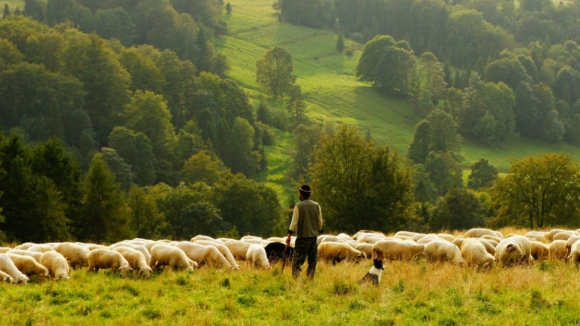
<point>12,4</point>
<point>332,91</point>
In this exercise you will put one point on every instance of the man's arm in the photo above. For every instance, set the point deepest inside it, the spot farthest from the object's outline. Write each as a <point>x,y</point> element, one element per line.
<point>293,224</point>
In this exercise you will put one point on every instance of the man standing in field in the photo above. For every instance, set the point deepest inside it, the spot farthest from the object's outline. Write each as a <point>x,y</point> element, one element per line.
<point>307,223</point>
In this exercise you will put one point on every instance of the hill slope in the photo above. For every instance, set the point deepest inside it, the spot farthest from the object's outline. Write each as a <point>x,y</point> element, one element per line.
<point>331,90</point>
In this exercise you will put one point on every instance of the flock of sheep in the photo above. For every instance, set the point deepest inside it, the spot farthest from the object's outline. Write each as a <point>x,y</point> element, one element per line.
<point>481,248</point>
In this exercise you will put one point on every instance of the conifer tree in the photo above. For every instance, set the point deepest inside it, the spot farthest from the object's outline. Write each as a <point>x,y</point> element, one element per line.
<point>6,10</point>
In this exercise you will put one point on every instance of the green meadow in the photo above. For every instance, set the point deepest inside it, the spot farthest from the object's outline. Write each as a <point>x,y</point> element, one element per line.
<point>410,293</point>
<point>332,91</point>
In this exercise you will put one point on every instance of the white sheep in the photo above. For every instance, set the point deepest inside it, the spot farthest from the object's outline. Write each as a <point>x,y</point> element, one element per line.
<point>77,255</point>
<point>574,256</point>
<point>238,248</point>
<point>256,255</point>
<point>204,255</point>
<point>136,260</point>
<point>34,254</point>
<point>540,251</point>
<point>443,250</point>
<point>5,277</point>
<point>223,249</point>
<point>558,249</point>
<point>25,246</point>
<point>28,266</point>
<point>398,249</point>
<point>167,255</point>
<point>479,232</point>
<point>515,249</point>
<point>338,251</point>
<point>7,266</point>
<point>202,237</point>
<point>570,242</point>
<point>40,248</point>
<point>489,246</point>
<point>105,259</point>
<point>367,248</point>
<point>56,264</point>
<point>475,254</point>
<point>4,250</point>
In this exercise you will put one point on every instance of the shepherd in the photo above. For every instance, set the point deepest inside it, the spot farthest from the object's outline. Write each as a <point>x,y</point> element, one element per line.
<point>307,223</point>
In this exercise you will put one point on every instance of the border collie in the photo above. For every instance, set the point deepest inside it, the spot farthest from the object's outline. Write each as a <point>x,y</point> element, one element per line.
<point>374,274</point>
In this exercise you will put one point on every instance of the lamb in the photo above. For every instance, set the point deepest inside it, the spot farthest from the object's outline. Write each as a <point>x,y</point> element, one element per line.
<point>475,254</point>
<point>397,250</point>
<point>203,255</point>
<point>540,251</point>
<point>33,254</point>
<point>442,250</point>
<point>167,255</point>
<point>256,255</point>
<point>106,258</point>
<point>516,249</point>
<point>28,266</point>
<point>5,277</point>
<point>337,252</point>
<point>223,249</point>
<point>558,249</point>
<point>136,260</point>
<point>76,255</point>
<point>7,266</point>
<point>56,264</point>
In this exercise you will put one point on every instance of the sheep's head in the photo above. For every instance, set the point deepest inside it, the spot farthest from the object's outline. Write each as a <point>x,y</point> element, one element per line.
<point>124,269</point>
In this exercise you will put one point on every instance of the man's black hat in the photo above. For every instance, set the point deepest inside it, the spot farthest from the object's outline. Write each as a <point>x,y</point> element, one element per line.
<point>305,189</point>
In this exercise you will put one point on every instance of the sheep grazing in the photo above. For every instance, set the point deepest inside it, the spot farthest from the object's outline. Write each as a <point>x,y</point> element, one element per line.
<point>56,264</point>
<point>475,254</point>
<point>5,277</point>
<point>442,250</point>
<point>34,254</point>
<point>77,255</point>
<point>558,249</point>
<point>136,260</point>
<point>515,249</point>
<point>203,255</point>
<point>480,232</point>
<point>238,248</point>
<point>202,237</point>
<point>28,266</point>
<point>7,266</point>
<point>574,256</point>
<point>25,246</point>
<point>275,251</point>
<point>398,250</point>
<point>540,251</point>
<point>40,248</point>
<point>374,274</point>
<point>337,252</point>
<point>257,256</point>
<point>489,247</point>
<point>105,259</point>
<point>223,249</point>
<point>563,235</point>
<point>550,235</point>
<point>367,248</point>
<point>570,242</point>
<point>167,255</point>
<point>133,245</point>
<point>538,236</point>
<point>4,250</point>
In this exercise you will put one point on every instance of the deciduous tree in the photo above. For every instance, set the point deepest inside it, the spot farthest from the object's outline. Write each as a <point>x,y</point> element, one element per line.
<point>274,71</point>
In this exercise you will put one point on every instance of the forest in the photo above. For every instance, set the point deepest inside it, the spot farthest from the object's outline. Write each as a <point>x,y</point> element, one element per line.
<point>119,119</point>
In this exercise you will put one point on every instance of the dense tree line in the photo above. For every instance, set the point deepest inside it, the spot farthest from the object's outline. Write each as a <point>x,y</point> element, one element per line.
<point>45,196</point>
<point>148,105</point>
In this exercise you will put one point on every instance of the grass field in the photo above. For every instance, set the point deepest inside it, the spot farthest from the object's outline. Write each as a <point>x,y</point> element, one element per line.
<point>12,4</point>
<point>331,90</point>
<point>410,293</point>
